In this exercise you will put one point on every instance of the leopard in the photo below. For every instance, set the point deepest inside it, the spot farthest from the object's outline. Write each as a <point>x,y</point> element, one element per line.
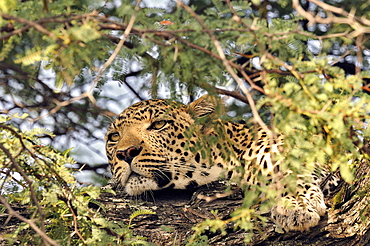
<point>154,145</point>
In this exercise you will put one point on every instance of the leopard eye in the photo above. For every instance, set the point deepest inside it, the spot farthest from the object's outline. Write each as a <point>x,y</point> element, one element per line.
<point>114,137</point>
<point>156,125</point>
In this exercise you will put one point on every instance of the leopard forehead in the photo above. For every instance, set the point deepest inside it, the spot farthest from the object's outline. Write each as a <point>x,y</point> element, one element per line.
<point>149,110</point>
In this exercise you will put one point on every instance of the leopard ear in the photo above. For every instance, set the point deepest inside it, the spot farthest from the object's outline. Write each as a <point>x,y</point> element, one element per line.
<point>203,106</point>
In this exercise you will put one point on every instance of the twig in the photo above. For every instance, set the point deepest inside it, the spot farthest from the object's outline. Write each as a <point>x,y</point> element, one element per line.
<point>226,63</point>
<point>131,88</point>
<point>24,175</point>
<point>359,42</point>
<point>26,178</point>
<point>349,19</point>
<point>168,34</point>
<point>234,94</point>
<point>118,47</point>
<point>340,11</point>
<point>114,54</point>
<point>294,72</point>
<point>15,32</point>
<point>30,23</point>
<point>47,240</point>
<point>88,93</point>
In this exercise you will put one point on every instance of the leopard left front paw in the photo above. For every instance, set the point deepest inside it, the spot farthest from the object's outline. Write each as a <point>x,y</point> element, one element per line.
<point>296,219</point>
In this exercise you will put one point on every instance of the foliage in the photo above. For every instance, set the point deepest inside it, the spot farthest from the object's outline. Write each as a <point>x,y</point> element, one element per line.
<point>299,69</point>
<point>62,210</point>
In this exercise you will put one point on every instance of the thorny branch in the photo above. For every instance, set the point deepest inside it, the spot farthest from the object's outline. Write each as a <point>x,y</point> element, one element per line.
<point>108,24</point>
<point>47,240</point>
<point>101,70</point>
<point>56,101</point>
<point>38,25</point>
<point>67,196</point>
<point>105,23</point>
<point>226,63</point>
<point>59,105</point>
<point>358,24</point>
<point>23,173</point>
<point>32,194</point>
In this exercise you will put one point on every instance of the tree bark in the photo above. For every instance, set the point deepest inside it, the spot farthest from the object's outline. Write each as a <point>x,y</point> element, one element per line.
<point>347,223</point>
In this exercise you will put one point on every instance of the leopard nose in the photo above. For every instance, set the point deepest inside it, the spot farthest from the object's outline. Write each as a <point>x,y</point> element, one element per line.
<point>128,154</point>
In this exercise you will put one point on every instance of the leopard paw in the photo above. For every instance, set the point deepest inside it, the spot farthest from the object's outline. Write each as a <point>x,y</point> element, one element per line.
<point>297,219</point>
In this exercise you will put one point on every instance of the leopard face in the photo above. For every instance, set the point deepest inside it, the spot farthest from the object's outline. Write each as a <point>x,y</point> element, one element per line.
<point>147,148</point>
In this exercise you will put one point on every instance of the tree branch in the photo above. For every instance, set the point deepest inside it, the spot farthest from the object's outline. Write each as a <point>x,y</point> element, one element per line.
<point>46,239</point>
<point>226,63</point>
<point>356,23</point>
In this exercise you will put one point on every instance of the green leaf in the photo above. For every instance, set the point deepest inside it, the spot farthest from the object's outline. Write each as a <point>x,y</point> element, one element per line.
<point>86,33</point>
<point>346,172</point>
<point>138,213</point>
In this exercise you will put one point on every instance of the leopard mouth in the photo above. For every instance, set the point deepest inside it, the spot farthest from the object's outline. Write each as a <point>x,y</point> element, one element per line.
<point>161,178</point>
<point>144,173</point>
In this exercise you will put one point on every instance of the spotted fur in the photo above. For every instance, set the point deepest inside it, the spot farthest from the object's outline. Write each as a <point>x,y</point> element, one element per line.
<point>150,146</point>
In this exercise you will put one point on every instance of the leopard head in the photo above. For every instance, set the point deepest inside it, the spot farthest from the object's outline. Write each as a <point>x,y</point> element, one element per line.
<point>148,146</point>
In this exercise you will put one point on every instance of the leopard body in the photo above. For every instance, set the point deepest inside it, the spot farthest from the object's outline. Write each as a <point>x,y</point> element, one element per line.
<point>154,145</point>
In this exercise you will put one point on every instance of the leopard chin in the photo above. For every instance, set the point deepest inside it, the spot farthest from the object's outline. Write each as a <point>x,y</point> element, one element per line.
<point>137,185</point>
